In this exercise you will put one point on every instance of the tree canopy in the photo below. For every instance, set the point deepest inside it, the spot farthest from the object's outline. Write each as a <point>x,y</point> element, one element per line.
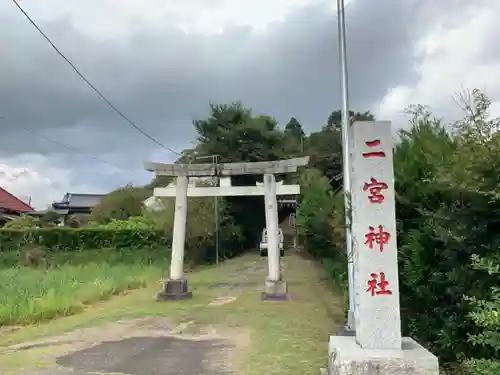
<point>235,133</point>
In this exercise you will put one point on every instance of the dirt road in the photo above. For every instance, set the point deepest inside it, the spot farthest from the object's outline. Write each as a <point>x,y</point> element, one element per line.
<point>225,329</point>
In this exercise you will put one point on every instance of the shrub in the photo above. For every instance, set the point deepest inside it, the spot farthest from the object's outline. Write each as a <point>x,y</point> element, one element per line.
<point>481,367</point>
<point>313,213</point>
<point>140,223</point>
<point>200,228</point>
<point>320,221</point>
<point>120,204</point>
<point>485,316</point>
<point>22,222</point>
<point>78,220</point>
<point>448,234</point>
<point>448,222</point>
<point>137,232</point>
<point>70,239</point>
<point>426,264</point>
<point>50,219</point>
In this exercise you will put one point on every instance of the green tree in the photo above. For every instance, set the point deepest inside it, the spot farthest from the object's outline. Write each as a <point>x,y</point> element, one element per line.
<point>448,205</point>
<point>325,151</point>
<point>314,212</point>
<point>293,138</point>
<point>120,204</point>
<point>232,132</point>
<point>423,257</point>
<point>321,225</point>
<point>236,135</point>
<point>159,181</point>
<point>335,119</point>
<point>325,147</point>
<point>50,218</point>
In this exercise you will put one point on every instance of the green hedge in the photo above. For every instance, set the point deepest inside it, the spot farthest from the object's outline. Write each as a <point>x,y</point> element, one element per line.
<point>69,239</point>
<point>448,221</point>
<point>320,220</point>
<point>199,250</point>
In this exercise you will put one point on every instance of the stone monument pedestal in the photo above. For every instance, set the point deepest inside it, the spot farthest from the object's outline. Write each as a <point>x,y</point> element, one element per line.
<point>344,331</point>
<point>346,357</point>
<point>174,290</point>
<point>275,291</point>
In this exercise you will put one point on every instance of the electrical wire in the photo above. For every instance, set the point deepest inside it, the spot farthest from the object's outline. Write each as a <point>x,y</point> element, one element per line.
<point>97,91</point>
<point>70,148</point>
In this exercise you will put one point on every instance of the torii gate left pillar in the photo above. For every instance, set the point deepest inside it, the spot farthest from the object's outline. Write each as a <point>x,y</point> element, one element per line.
<point>176,286</point>
<point>276,287</point>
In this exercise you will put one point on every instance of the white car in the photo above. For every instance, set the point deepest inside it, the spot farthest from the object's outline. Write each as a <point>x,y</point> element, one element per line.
<point>263,243</point>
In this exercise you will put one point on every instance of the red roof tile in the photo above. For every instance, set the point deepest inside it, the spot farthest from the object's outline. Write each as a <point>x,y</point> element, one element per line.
<point>12,203</point>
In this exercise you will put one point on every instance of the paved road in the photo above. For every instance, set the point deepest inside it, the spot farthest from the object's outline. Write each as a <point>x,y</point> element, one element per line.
<point>145,356</point>
<point>151,345</point>
<point>158,353</point>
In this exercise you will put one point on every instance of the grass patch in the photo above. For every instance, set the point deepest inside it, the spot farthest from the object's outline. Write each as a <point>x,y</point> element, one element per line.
<point>73,280</point>
<point>285,337</point>
<point>288,338</point>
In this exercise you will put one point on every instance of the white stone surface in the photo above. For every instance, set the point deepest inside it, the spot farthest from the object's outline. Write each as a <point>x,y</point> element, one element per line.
<point>225,181</point>
<point>227,191</point>
<point>351,317</point>
<point>377,312</point>
<point>346,357</point>
<point>273,252</point>
<point>179,231</point>
<point>278,183</point>
<point>227,169</point>
<point>153,204</point>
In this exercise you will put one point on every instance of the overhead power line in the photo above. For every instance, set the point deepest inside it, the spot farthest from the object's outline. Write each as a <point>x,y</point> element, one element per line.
<point>70,148</point>
<point>97,91</point>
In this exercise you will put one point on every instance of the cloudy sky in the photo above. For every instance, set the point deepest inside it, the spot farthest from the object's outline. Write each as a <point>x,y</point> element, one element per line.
<point>161,62</point>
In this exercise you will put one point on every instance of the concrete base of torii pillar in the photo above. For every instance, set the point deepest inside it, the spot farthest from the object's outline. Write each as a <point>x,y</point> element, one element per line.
<point>276,288</point>
<point>174,290</point>
<point>176,287</point>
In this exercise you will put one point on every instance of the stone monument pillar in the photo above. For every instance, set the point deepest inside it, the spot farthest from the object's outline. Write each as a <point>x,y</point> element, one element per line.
<point>176,287</point>
<point>378,347</point>
<point>275,288</point>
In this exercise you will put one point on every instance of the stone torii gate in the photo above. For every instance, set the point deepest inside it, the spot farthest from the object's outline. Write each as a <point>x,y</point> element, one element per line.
<point>176,286</point>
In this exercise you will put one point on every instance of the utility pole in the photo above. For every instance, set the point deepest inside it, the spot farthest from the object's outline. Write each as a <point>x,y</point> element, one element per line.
<point>345,157</point>
<point>216,208</point>
<point>215,162</point>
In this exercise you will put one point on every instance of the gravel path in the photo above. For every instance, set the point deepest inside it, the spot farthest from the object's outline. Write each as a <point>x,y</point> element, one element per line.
<point>148,346</point>
<point>153,345</point>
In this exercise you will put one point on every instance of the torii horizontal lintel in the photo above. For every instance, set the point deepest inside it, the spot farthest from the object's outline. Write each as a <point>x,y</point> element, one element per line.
<point>226,191</point>
<point>227,169</point>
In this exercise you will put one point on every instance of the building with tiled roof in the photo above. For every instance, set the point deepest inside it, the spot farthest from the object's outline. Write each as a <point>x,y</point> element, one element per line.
<point>11,206</point>
<point>74,203</point>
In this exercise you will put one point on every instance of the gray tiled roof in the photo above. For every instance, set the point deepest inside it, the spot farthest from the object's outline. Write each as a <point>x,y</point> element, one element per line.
<point>82,200</point>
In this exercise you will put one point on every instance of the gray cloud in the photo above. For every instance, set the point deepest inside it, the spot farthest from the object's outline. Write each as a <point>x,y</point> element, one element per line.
<point>163,79</point>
